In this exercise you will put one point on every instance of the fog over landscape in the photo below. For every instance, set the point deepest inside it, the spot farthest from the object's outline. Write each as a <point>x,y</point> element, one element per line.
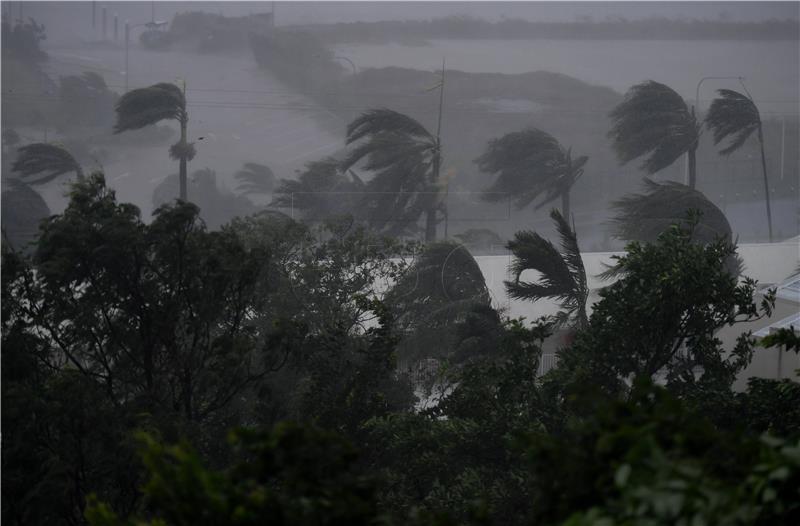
<point>413,225</point>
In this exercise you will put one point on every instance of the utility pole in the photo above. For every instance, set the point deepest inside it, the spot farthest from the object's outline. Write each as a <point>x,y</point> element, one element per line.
<point>438,159</point>
<point>116,27</point>
<point>127,41</point>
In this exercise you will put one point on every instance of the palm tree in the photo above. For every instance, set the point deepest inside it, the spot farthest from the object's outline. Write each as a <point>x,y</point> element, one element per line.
<point>145,106</point>
<point>406,159</point>
<point>643,217</point>
<point>23,209</point>
<point>654,121</point>
<point>255,178</point>
<point>563,277</point>
<point>320,192</point>
<point>530,164</point>
<point>736,115</point>
<point>48,160</point>
<point>434,296</point>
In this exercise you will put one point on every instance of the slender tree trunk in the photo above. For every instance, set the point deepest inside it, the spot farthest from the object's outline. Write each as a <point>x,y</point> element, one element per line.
<point>693,167</point>
<point>430,225</point>
<point>565,205</point>
<point>182,175</point>
<point>766,182</point>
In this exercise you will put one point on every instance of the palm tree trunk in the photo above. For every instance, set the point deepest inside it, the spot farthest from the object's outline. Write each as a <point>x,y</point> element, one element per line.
<point>565,205</point>
<point>693,167</point>
<point>430,224</point>
<point>766,182</point>
<point>182,175</point>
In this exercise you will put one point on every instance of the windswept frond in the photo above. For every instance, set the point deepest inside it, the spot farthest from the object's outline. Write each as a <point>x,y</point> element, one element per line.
<point>376,121</point>
<point>562,274</point>
<point>255,178</point>
<point>47,161</point>
<point>644,216</point>
<point>732,115</point>
<point>652,122</point>
<point>145,106</point>
<point>527,165</point>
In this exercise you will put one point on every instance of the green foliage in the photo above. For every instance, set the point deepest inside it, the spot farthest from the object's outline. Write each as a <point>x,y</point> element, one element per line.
<point>643,217</point>
<point>293,475</point>
<point>528,165</point>
<point>732,115</point>
<point>23,209</point>
<point>320,193</point>
<point>651,460</point>
<point>147,106</point>
<point>433,295</point>
<point>48,161</point>
<point>405,158</point>
<point>653,122</point>
<point>563,277</point>
<point>660,319</point>
<point>255,178</point>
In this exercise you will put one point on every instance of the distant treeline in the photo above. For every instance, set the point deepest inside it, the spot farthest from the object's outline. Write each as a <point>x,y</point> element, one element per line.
<point>656,28</point>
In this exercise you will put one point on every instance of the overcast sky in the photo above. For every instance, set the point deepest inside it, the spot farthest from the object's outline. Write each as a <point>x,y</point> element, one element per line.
<point>76,14</point>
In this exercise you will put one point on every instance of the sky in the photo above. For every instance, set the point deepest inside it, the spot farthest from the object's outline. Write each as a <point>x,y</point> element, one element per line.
<point>67,15</point>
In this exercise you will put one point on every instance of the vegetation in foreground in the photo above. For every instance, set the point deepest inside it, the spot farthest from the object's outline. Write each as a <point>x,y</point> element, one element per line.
<point>122,338</point>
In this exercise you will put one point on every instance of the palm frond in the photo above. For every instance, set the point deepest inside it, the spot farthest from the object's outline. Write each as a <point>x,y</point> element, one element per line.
<point>145,106</point>
<point>562,274</point>
<point>255,178</point>
<point>644,216</point>
<point>48,161</point>
<point>732,115</point>
<point>527,165</point>
<point>376,121</point>
<point>653,122</point>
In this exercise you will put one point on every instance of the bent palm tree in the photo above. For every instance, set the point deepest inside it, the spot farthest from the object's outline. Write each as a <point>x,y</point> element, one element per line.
<point>255,178</point>
<point>23,210</point>
<point>47,160</point>
<point>406,159</point>
<point>654,121</point>
<point>736,116</point>
<point>563,277</point>
<point>145,106</point>
<point>320,192</point>
<point>433,296</point>
<point>530,164</point>
<point>643,217</point>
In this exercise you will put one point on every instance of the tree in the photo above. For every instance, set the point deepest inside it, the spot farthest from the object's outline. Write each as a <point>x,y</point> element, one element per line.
<point>217,206</point>
<point>290,475</point>
<point>321,192</point>
<point>435,293</point>
<point>406,159</point>
<point>255,178</point>
<point>23,209</point>
<point>531,164</point>
<point>563,277</point>
<point>50,160</point>
<point>644,217</point>
<point>736,116</point>
<point>146,106</point>
<point>658,322</point>
<point>654,121</point>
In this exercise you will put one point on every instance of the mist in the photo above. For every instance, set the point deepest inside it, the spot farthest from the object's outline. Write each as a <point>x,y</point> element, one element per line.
<point>265,196</point>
